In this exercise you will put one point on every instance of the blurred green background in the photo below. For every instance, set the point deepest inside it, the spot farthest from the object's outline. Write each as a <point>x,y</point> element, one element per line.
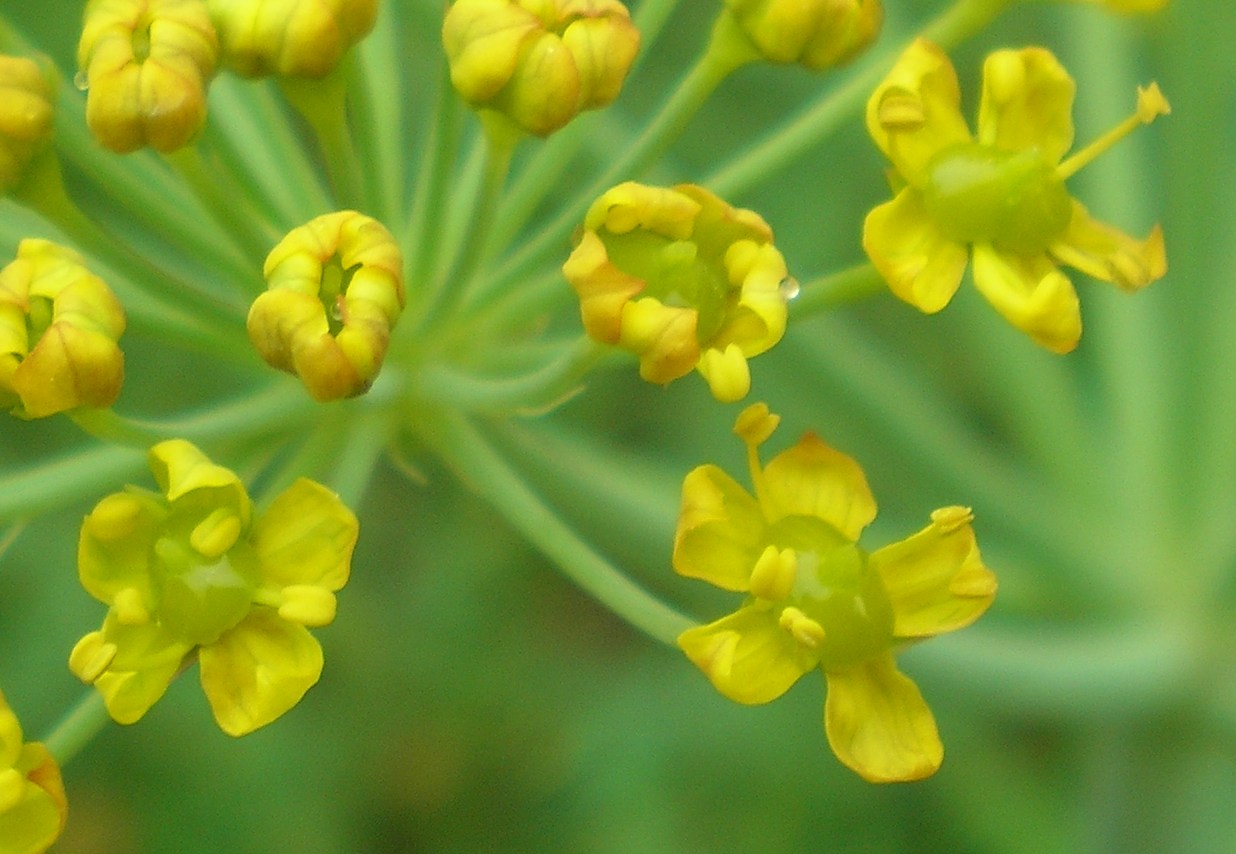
<point>473,700</point>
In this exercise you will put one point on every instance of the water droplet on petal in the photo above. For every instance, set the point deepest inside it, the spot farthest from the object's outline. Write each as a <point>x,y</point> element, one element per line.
<point>789,288</point>
<point>81,81</point>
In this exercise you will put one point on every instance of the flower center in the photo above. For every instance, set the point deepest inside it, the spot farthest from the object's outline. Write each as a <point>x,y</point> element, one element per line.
<point>835,588</point>
<point>141,39</point>
<point>1015,200</point>
<point>38,319</point>
<point>676,274</point>
<point>207,573</point>
<point>335,281</point>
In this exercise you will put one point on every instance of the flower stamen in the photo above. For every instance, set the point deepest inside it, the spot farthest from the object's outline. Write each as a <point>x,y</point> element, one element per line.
<point>1151,103</point>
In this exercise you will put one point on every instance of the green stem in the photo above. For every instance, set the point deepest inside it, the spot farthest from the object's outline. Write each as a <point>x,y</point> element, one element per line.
<point>10,536</point>
<point>378,114</point>
<point>76,476</point>
<point>1079,674</point>
<point>472,252</point>
<point>639,503</point>
<point>77,728</point>
<point>854,284</point>
<point>266,149</point>
<point>422,237</point>
<point>106,425</point>
<point>324,105</point>
<point>794,138</point>
<point>231,206</point>
<point>366,440</point>
<point>715,64</point>
<point>537,391</point>
<point>535,299</point>
<point>479,465</point>
<point>143,184</point>
<point>157,304</point>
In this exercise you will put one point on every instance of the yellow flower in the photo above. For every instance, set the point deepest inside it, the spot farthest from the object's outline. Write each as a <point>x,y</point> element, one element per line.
<point>818,34</point>
<point>147,64</point>
<point>682,280</point>
<point>335,293</point>
<point>290,38</point>
<point>32,802</point>
<point>59,324</point>
<point>191,571</point>
<point>1002,194</point>
<point>25,117</point>
<point>539,63</point>
<point>815,599</point>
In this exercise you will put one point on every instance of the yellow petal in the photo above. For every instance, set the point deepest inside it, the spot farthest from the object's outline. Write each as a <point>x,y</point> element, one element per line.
<point>31,824</point>
<point>113,549</point>
<point>1032,294</point>
<point>662,336</point>
<point>179,468</point>
<point>258,670</point>
<point>543,93</point>
<point>604,49</point>
<point>305,537</point>
<point>936,579</point>
<point>720,530</point>
<point>813,479</point>
<point>1109,254</point>
<point>1027,103</point>
<point>920,264</point>
<point>288,37</point>
<point>747,656</point>
<point>915,112</point>
<point>758,321</point>
<point>136,675</point>
<point>482,41</point>
<point>879,725</point>
<point>68,368</point>
<point>603,289</point>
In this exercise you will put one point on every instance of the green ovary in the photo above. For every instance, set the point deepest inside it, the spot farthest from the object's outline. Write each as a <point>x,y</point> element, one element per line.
<point>202,597</point>
<point>675,273</point>
<point>38,319</point>
<point>1015,200</point>
<point>836,587</point>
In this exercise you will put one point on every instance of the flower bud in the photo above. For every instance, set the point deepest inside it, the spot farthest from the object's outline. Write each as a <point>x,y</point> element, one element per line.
<point>59,325</point>
<point>289,38</point>
<point>25,117</point>
<point>818,34</point>
<point>335,292</point>
<point>539,62</point>
<point>147,64</point>
<point>682,280</point>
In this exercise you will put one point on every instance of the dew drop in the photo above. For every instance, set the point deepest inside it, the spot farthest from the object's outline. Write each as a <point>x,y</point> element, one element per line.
<point>789,288</point>
<point>81,81</point>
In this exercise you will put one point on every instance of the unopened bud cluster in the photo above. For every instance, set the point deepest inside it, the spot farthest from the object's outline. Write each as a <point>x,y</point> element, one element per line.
<point>335,292</point>
<point>147,64</point>
<point>59,324</point>
<point>539,63</point>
